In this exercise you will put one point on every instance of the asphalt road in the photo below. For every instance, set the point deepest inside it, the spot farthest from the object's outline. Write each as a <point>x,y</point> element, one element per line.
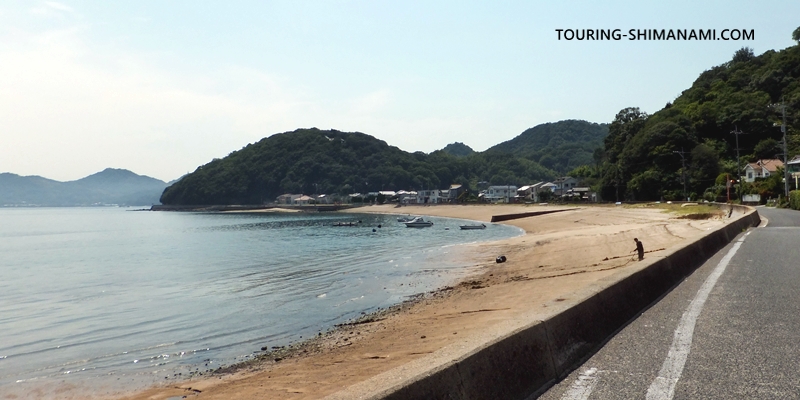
<point>731,330</point>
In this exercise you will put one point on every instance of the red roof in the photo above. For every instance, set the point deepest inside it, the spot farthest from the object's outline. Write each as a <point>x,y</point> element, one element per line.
<point>770,165</point>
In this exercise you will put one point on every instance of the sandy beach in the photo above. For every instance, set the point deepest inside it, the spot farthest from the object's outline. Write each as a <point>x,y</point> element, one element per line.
<point>559,255</point>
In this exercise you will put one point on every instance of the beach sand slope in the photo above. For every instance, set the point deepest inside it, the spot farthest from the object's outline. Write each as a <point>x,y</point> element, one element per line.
<point>559,255</point>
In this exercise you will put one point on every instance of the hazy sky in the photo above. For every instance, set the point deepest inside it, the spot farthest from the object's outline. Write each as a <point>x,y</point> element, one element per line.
<point>161,87</point>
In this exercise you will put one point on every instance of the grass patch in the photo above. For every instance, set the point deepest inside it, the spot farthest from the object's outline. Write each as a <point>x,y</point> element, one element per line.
<point>699,211</point>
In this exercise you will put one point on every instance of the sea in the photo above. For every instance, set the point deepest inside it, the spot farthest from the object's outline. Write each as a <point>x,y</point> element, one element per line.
<point>123,298</point>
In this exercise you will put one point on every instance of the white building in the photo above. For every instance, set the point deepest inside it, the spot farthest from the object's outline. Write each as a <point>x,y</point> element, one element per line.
<point>500,194</point>
<point>564,184</point>
<point>531,192</point>
<point>406,197</point>
<point>761,169</point>
<point>432,196</point>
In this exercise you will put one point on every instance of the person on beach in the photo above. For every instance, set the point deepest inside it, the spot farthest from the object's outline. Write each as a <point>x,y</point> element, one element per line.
<point>639,248</point>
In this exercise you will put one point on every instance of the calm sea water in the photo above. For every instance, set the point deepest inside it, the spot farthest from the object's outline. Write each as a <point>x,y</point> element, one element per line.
<point>114,295</point>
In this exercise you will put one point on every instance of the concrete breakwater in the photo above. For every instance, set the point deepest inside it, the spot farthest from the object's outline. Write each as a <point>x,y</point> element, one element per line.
<point>527,360</point>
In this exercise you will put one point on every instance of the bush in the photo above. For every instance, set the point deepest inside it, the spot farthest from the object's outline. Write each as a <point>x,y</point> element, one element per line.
<point>794,199</point>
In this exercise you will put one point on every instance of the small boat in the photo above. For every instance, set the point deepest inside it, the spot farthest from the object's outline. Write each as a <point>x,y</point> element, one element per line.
<point>418,222</point>
<point>345,224</point>
<point>481,226</point>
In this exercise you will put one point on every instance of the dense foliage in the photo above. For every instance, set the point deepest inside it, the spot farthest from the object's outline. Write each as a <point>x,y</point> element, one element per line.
<point>560,146</point>
<point>651,157</point>
<point>458,149</point>
<point>314,161</point>
<point>794,198</point>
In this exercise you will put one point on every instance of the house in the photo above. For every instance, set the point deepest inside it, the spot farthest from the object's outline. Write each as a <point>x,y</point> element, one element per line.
<point>580,194</point>
<point>288,198</point>
<point>794,164</point>
<point>793,167</point>
<point>455,193</point>
<point>564,184</point>
<point>323,199</point>
<point>500,194</point>
<point>406,197</point>
<point>303,200</point>
<point>531,192</point>
<point>761,169</point>
<point>428,196</point>
<point>525,193</point>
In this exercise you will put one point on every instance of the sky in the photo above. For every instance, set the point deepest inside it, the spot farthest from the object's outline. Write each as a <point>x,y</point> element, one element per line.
<point>162,87</point>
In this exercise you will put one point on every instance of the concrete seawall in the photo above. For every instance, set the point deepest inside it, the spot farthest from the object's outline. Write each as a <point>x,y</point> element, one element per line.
<point>528,360</point>
<point>508,217</point>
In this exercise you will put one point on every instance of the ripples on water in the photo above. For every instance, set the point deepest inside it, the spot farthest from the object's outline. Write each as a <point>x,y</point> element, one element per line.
<point>101,292</point>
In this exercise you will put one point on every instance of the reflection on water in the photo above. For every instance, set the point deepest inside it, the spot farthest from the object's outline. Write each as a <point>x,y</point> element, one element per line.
<point>101,292</point>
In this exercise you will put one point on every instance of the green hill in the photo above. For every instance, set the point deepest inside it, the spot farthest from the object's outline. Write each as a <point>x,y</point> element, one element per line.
<point>642,152</point>
<point>333,162</point>
<point>560,146</point>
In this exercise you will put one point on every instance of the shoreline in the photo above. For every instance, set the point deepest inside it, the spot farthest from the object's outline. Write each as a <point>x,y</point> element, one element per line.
<point>391,337</point>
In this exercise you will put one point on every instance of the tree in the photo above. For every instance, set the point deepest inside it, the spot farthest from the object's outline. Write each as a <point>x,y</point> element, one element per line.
<point>626,125</point>
<point>704,167</point>
<point>796,35</point>
<point>583,171</point>
<point>766,149</point>
<point>743,54</point>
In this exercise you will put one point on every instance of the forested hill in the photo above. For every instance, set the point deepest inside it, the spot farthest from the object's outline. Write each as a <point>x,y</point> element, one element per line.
<point>561,146</point>
<point>332,162</point>
<point>644,153</point>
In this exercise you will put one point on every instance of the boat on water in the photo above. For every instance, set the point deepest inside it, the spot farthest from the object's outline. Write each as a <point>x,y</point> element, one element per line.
<point>481,226</point>
<point>345,223</point>
<point>418,222</point>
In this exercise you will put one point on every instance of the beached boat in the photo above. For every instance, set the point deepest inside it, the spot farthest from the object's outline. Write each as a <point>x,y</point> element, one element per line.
<point>481,226</point>
<point>418,222</point>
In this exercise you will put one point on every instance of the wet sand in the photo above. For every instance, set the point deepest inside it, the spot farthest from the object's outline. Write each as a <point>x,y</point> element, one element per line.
<point>559,255</point>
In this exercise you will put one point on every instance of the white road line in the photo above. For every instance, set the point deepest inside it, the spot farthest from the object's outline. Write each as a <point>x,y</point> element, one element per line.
<point>663,387</point>
<point>583,386</point>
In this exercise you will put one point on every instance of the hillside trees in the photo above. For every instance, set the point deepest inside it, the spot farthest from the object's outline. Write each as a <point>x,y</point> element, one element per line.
<point>640,158</point>
<point>315,161</point>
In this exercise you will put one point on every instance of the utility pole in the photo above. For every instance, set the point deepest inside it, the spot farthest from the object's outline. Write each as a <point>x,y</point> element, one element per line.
<point>785,152</point>
<point>683,170</point>
<point>737,132</point>
<point>617,179</point>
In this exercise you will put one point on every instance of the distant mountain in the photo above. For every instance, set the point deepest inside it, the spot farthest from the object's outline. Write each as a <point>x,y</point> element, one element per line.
<point>111,186</point>
<point>458,149</point>
<point>560,146</point>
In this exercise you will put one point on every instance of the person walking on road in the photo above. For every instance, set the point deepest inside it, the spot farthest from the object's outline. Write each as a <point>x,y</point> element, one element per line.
<point>639,248</point>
